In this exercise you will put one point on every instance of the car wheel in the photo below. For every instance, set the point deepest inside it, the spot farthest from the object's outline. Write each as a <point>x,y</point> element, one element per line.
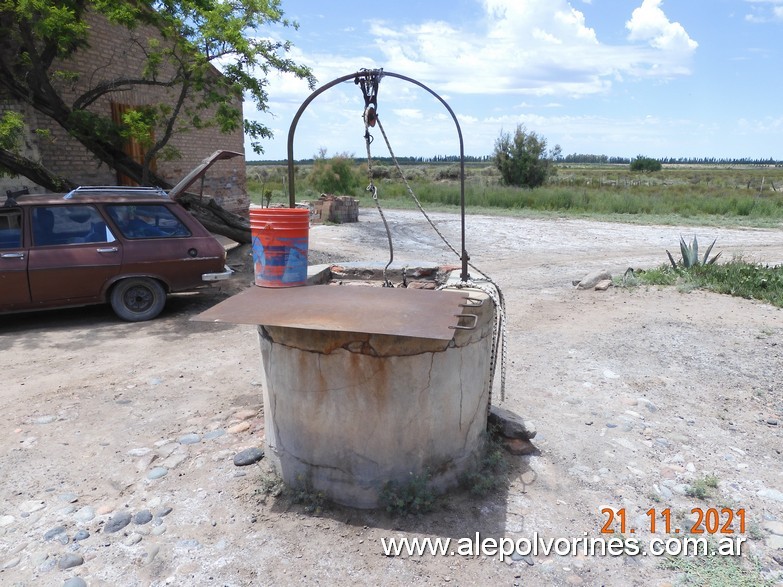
<point>138,298</point>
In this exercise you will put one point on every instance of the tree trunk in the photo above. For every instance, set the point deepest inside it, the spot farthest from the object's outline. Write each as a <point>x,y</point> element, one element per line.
<point>217,219</point>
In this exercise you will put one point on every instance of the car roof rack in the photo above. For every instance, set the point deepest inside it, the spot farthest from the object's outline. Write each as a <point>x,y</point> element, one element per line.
<point>119,190</point>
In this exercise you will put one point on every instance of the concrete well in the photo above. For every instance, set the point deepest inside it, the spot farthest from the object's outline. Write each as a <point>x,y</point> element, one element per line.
<point>347,412</point>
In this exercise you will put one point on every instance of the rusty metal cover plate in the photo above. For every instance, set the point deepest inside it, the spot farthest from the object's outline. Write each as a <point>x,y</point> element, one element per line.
<point>373,310</point>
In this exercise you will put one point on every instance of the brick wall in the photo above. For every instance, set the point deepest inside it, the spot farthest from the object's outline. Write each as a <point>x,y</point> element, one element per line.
<point>116,53</point>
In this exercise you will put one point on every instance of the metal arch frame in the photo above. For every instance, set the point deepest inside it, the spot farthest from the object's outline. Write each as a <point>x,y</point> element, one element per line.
<point>464,275</point>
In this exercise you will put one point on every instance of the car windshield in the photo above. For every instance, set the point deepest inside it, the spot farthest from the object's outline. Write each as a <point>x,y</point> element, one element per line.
<point>147,221</point>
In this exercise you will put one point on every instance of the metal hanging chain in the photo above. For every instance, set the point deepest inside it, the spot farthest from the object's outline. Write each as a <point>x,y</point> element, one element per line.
<point>370,91</point>
<point>369,86</point>
<point>500,338</point>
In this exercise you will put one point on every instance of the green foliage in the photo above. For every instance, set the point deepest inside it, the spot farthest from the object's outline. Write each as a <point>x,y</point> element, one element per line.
<point>690,254</point>
<point>11,131</point>
<point>702,488</point>
<point>645,164</point>
<point>492,473</point>
<point>737,278</point>
<point>413,497</point>
<point>717,571</point>
<point>523,159</point>
<point>41,40</point>
<point>335,175</point>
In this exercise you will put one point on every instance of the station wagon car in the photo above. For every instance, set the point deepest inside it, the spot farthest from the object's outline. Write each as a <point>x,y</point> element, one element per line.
<point>126,246</point>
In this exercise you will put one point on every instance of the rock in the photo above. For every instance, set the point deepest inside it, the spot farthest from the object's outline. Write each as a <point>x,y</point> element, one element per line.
<point>11,563</point>
<point>214,434</point>
<point>132,539</point>
<point>510,424</point>
<point>117,522</point>
<point>68,497</point>
<point>772,494</point>
<point>157,473</point>
<point>6,520</point>
<point>248,456</point>
<point>81,535</point>
<point>603,285</point>
<point>150,555</point>
<point>75,582</point>
<point>774,542</point>
<point>590,280</point>
<point>51,534</point>
<point>773,527</point>
<point>163,512</point>
<point>519,446</point>
<point>190,439</point>
<point>70,560</point>
<point>85,514</point>
<point>142,517</point>
<point>245,414</point>
<point>33,505</point>
<point>236,428</point>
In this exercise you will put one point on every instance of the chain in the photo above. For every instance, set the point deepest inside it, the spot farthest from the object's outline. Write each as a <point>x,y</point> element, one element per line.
<point>369,119</point>
<point>499,343</point>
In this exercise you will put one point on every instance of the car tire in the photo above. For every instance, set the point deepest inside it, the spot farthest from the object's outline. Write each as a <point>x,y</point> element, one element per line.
<point>137,299</point>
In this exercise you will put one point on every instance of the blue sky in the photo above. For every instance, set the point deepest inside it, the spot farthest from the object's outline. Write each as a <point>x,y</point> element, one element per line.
<point>660,78</point>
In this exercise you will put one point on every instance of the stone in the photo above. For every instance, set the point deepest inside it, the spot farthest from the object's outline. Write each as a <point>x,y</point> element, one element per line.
<point>510,424</point>
<point>519,446</point>
<point>214,434</point>
<point>117,522</point>
<point>33,505</point>
<point>603,285</point>
<point>81,535</point>
<point>157,473</point>
<point>190,439</point>
<point>142,517</point>
<point>590,280</point>
<point>236,428</point>
<point>52,534</point>
<point>772,494</point>
<point>245,414</point>
<point>773,527</point>
<point>132,539</point>
<point>85,514</point>
<point>248,456</point>
<point>70,560</point>
<point>75,582</point>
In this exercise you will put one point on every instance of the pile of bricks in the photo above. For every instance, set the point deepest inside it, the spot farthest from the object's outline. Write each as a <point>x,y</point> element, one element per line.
<point>338,209</point>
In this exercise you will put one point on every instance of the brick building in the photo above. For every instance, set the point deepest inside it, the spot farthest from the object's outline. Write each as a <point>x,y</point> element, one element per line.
<point>114,53</point>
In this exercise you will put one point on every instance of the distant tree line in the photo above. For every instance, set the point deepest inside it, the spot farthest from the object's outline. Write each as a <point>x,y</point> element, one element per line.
<point>579,158</point>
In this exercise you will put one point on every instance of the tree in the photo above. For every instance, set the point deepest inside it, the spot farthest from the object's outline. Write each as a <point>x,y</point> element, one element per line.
<point>645,164</point>
<point>38,41</point>
<point>334,176</point>
<point>523,159</point>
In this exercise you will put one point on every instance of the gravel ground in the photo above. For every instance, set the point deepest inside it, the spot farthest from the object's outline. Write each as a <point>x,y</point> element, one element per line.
<point>119,443</point>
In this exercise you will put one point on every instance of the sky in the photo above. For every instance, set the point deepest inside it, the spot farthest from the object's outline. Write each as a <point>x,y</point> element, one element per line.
<point>658,78</point>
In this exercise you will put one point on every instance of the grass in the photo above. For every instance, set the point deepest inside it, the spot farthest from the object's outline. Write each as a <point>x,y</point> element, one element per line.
<point>696,195</point>
<point>737,278</point>
<point>717,571</point>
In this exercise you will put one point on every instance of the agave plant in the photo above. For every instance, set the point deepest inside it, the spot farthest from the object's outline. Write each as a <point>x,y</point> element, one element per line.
<point>690,254</point>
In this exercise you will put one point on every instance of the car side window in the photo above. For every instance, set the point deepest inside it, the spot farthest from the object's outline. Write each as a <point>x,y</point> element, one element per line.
<point>147,221</point>
<point>72,224</point>
<point>10,229</point>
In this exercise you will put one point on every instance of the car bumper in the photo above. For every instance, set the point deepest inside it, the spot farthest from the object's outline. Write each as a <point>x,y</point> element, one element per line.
<point>217,276</point>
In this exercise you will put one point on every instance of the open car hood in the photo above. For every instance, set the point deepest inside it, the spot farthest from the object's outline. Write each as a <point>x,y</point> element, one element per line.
<point>199,171</point>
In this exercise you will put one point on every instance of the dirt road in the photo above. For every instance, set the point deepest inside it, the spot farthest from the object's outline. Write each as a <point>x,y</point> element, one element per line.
<point>643,399</point>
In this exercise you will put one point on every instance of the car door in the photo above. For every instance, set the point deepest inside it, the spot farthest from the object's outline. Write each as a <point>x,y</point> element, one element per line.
<point>74,254</point>
<point>14,290</point>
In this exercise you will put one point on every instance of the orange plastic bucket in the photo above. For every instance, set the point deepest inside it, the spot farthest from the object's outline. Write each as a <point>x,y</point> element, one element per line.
<point>280,241</point>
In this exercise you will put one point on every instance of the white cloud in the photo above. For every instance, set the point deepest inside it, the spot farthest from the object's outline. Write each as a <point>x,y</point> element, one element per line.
<point>536,47</point>
<point>649,23</point>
